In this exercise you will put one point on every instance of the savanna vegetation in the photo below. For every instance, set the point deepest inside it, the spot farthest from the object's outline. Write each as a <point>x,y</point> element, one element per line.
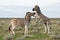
<point>35,30</point>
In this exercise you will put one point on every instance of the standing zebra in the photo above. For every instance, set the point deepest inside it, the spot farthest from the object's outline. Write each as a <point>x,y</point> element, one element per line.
<point>26,22</point>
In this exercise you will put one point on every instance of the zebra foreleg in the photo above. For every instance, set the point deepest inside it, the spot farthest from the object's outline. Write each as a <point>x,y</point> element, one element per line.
<point>45,27</point>
<point>48,28</point>
<point>26,30</point>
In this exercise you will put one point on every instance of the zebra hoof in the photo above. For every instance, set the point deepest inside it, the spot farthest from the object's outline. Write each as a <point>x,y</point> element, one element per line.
<point>36,22</point>
<point>44,32</point>
<point>49,32</point>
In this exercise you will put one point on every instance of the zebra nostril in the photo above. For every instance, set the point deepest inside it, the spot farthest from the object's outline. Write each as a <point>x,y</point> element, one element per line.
<point>33,9</point>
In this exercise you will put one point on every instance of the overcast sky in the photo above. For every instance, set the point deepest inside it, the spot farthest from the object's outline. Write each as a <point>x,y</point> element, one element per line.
<point>28,2</point>
<point>9,8</point>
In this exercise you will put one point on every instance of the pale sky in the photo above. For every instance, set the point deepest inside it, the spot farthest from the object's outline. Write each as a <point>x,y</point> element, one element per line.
<point>28,2</point>
<point>18,8</point>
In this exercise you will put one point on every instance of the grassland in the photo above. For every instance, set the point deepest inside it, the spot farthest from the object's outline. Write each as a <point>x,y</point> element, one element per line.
<point>35,30</point>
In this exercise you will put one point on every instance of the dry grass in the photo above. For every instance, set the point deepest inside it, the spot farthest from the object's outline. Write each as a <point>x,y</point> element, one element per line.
<point>35,29</point>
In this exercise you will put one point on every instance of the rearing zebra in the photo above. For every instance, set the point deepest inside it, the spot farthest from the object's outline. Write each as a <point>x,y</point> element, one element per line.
<point>44,19</point>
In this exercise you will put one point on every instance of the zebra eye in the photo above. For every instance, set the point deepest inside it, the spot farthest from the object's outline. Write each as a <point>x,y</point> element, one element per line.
<point>34,13</point>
